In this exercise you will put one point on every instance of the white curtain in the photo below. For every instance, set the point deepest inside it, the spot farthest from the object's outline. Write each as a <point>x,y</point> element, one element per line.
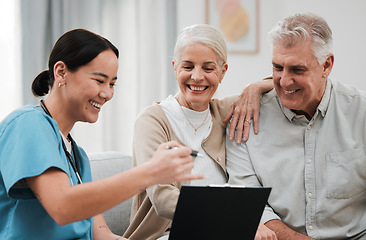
<point>144,31</point>
<point>10,97</point>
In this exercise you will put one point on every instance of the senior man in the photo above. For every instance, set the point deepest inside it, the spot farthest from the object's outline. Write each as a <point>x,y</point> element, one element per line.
<point>311,145</point>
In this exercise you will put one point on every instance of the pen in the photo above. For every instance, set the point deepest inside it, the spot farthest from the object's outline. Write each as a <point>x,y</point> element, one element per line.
<point>193,153</point>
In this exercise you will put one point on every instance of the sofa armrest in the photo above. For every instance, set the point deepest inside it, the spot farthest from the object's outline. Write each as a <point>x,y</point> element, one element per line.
<point>106,164</point>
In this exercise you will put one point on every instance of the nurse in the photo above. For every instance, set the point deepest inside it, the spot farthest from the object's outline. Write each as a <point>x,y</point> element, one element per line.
<point>45,179</point>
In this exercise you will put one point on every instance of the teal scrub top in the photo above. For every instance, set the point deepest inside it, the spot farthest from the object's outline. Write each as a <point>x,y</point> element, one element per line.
<point>31,143</point>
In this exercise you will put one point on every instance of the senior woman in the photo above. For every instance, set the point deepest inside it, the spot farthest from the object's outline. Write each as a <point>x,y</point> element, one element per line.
<point>192,118</point>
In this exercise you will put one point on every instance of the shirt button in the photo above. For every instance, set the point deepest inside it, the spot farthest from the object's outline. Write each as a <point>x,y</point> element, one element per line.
<point>309,160</point>
<point>219,159</point>
<point>310,194</point>
<point>310,227</point>
<point>309,127</point>
<point>204,144</point>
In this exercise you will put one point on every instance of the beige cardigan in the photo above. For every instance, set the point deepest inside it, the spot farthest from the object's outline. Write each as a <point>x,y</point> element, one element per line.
<point>153,209</point>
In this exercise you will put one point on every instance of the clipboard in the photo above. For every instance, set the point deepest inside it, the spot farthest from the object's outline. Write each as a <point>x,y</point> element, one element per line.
<point>218,212</point>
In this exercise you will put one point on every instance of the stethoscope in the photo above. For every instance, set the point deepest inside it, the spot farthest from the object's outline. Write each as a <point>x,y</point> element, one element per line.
<point>75,165</point>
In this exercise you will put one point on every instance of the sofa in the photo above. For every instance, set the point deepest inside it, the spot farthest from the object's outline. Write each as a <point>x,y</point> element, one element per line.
<point>105,164</point>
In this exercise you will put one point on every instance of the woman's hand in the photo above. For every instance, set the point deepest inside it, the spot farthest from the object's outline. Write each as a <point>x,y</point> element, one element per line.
<point>264,233</point>
<point>172,165</point>
<point>245,108</point>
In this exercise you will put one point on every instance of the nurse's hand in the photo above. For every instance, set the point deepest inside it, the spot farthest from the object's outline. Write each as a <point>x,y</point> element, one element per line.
<point>172,163</point>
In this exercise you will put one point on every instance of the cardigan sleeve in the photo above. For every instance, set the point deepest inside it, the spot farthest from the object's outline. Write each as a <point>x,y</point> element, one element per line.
<point>151,129</point>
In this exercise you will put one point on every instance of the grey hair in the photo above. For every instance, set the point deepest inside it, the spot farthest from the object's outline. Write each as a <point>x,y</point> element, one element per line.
<point>302,27</point>
<point>205,34</point>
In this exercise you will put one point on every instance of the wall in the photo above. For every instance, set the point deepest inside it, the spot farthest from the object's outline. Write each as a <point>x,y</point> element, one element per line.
<point>346,18</point>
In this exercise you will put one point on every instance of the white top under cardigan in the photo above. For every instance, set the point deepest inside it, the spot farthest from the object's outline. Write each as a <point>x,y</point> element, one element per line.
<point>193,139</point>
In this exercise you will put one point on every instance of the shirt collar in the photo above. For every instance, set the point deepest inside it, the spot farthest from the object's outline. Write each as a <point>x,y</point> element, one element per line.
<point>322,107</point>
<point>324,103</point>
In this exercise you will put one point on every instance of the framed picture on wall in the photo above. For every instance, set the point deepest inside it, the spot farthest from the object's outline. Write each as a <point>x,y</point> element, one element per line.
<point>239,22</point>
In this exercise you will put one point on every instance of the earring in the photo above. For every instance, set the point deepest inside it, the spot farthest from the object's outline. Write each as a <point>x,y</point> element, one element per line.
<point>59,84</point>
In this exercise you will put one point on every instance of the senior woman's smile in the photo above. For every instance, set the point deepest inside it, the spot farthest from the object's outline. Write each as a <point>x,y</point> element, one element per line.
<point>197,88</point>
<point>198,74</point>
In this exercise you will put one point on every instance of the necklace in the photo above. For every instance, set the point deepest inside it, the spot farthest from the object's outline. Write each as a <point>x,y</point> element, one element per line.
<point>195,128</point>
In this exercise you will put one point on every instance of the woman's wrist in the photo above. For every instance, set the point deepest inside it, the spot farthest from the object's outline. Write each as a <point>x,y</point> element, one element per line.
<point>146,174</point>
<point>266,84</point>
<point>262,86</point>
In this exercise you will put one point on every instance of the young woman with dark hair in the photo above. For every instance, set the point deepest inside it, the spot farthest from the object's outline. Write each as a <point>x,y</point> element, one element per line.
<point>45,179</point>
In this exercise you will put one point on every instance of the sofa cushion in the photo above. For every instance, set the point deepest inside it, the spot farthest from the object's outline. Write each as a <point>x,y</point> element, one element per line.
<point>106,164</point>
